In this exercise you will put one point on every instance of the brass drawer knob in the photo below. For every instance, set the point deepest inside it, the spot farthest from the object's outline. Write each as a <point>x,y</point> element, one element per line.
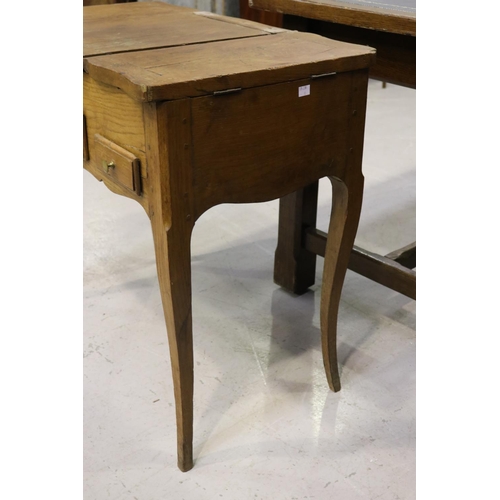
<point>120,167</point>
<point>107,165</point>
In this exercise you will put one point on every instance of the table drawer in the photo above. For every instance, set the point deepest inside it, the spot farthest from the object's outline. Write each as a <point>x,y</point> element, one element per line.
<point>118,164</point>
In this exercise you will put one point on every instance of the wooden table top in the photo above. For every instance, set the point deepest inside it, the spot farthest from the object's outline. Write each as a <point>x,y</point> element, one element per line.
<point>393,16</point>
<point>118,28</point>
<point>155,51</point>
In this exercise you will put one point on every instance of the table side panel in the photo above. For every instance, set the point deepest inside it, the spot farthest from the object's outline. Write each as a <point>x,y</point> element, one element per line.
<point>239,157</point>
<point>113,115</point>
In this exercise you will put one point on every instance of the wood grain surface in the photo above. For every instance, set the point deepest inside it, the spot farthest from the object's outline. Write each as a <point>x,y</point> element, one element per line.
<point>295,265</point>
<point>110,113</point>
<point>167,132</point>
<point>371,15</point>
<point>263,143</point>
<point>109,29</point>
<point>396,54</point>
<point>114,115</point>
<point>384,270</point>
<point>261,16</point>
<point>196,70</point>
<point>116,162</point>
<point>219,110</point>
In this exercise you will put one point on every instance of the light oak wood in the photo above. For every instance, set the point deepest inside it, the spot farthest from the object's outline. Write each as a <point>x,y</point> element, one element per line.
<point>116,162</point>
<point>196,70</point>
<point>114,115</point>
<point>111,114</point>
<point>109,29</point>
<point>198,148</point>
<point>168,131</point>
<point>86,155</point>
<point>262,27</point>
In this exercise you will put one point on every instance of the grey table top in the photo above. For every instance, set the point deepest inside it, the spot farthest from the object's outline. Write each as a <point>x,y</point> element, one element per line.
<point>400,5</point>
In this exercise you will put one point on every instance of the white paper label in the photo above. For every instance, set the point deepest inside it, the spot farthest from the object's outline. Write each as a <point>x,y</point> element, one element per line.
<point>304,90</point>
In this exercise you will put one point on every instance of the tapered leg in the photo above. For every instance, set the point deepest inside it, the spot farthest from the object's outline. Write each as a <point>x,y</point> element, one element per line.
<point>173,260</point>
<point>346,209</point>
<point>294,266</point>
<point>171,212</point>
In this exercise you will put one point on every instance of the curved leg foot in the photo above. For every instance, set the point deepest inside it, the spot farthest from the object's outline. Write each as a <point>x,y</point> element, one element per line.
<point>346,209</point>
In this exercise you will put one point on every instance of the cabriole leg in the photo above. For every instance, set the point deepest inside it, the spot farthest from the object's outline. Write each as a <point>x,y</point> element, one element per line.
<point>346,209</point>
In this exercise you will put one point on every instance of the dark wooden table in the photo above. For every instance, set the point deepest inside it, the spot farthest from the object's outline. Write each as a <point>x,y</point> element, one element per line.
<point>184,110</point>
<point>389,27</point>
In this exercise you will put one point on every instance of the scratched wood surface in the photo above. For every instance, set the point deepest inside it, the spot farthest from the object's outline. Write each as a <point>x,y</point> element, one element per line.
<point>196,70</point>
<point>109,29</point>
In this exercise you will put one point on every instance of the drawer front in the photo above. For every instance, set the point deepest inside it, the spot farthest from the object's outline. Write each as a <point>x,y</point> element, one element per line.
<point>118,164</point>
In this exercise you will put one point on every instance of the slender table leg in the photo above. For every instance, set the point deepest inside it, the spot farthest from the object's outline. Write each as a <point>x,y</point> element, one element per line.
<point>294,266</point>
<point>173,261</point>
<point>346,209</point>
<point>168,146</point>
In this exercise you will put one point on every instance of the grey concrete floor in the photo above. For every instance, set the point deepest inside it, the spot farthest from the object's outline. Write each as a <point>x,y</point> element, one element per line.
<point>266,425</point>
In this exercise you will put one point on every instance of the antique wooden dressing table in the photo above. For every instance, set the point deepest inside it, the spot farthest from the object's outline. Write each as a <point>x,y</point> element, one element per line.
<point>184,110</point>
